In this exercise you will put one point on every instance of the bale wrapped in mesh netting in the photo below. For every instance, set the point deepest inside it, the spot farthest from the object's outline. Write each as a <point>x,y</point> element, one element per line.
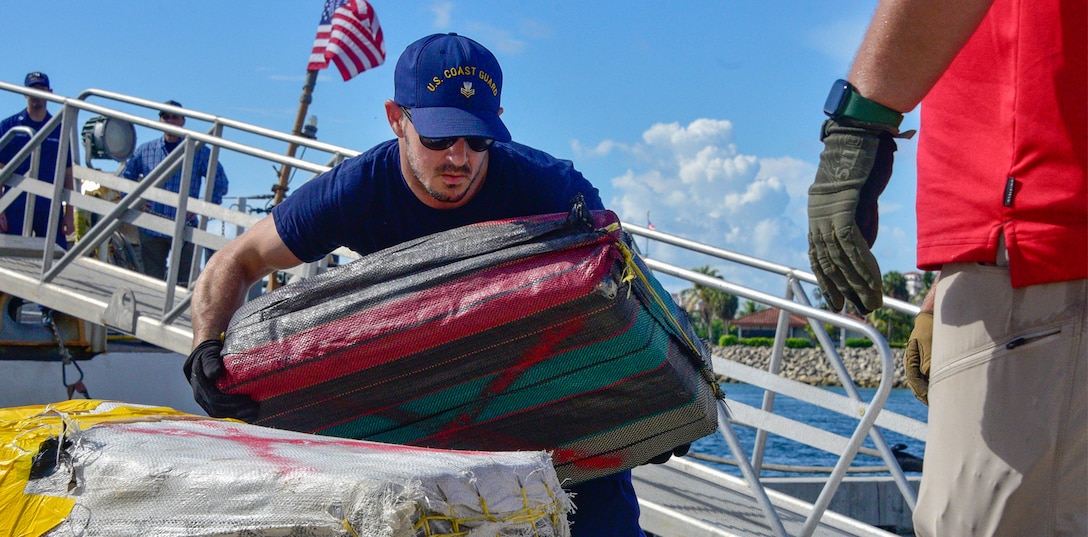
<point>543,332</point>
<point>106,469</point>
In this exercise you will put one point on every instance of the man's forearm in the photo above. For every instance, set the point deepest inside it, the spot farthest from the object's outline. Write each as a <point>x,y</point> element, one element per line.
<point>220,291</point>
<point>908,46</point>
<point>222,286</point>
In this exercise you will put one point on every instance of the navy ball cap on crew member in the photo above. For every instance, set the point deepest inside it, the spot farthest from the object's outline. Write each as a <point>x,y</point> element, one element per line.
<point>453,86</point>
<point>35,78</point>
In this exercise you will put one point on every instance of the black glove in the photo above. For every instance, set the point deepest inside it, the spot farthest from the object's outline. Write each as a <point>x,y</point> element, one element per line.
<point>679,451</point>
<point>842,212</point>
<point>202,367</point>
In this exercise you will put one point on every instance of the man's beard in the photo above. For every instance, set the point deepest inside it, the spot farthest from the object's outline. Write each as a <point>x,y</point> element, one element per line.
<point>445,197</point>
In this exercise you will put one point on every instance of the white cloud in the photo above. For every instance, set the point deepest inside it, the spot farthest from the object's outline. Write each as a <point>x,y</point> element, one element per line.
<point>765,235</point>
<point>535,29</point>
<point>693,181</point>
<point>795,175</point>
<point>600,150</point>
<point>443,13</point>
<point>700,133</point>
<point>498,40</point>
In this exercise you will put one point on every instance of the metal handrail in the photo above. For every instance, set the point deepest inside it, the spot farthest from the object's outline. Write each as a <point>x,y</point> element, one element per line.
<point>337,151</point>
<point>754,262</point>
<point>181,132</point>
<point>870,412</point>
<point>135,193</point>
<point>8,169</point>
<point>816,317</point>
<point>794,291</point>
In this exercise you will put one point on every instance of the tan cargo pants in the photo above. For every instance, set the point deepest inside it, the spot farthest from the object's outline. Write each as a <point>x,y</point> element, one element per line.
<point>1007,452</point>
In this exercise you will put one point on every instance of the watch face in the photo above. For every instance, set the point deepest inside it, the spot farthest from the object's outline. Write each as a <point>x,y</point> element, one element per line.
<point>836,99</point>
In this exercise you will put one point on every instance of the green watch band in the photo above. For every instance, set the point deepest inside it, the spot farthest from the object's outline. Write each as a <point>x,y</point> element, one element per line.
<point>845,101</point>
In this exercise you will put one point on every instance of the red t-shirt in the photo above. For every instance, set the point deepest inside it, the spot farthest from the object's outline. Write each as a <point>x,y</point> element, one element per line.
<point>1003,146</point>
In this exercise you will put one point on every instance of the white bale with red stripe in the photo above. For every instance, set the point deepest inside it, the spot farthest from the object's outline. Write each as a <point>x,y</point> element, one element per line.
<point>126,469</point>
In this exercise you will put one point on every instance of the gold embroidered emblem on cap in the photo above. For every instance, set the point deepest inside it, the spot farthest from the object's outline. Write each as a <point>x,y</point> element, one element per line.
<point>466,89</point>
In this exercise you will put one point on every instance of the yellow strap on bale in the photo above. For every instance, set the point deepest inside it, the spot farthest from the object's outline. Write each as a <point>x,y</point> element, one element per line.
<point>632,271</point>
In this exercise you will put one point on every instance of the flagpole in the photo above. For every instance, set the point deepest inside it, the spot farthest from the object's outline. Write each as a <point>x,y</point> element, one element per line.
<point>348,35</point>
<point>647,238</point>
<point>279,190</point>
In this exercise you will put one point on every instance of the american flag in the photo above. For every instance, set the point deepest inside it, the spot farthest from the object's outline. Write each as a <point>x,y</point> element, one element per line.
<point>350,36</point>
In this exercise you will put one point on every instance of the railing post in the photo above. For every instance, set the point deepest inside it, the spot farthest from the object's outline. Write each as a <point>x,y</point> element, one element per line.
<point>774,366</point>
<point>68,114</point>
<point>751,474</point>
<point>34,172</point>
<point>177,242</point>
<point>210,176</point>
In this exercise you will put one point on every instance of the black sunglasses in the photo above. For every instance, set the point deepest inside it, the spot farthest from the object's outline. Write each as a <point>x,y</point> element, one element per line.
<point>478,144</point>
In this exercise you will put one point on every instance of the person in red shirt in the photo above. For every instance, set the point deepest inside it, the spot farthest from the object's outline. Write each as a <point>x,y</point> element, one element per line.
<point>1000,352</point>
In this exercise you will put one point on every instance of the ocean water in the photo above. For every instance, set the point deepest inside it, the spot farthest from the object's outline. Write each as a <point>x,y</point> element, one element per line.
<point>783,451</point>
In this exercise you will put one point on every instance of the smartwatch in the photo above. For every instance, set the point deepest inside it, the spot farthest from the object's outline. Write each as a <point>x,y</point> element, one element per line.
<point>845,101</point>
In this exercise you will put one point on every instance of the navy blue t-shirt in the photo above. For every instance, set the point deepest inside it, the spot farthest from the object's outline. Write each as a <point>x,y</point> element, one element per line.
<point>48,163</point>
<point>365,204</point>
<point>47,166</point>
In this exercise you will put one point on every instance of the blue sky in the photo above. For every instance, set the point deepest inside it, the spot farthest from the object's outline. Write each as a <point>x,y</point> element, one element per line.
<point>704,114</point>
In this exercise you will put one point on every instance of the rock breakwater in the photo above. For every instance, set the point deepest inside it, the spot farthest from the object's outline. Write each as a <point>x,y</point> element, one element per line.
<point>812,367</point>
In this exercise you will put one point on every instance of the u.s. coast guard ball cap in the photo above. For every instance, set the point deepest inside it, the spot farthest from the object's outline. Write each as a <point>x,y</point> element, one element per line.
<point>453,86</point>
<point>37,78</point>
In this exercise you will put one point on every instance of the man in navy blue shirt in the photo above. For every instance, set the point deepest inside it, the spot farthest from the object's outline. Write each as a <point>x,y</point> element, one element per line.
<point>452,164</point>
<point>36,116</point>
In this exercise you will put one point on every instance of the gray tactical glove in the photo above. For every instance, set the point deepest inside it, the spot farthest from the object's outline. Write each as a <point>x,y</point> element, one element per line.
<point>842,212</point>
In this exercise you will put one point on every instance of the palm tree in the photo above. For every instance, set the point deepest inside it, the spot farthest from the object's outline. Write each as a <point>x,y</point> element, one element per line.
<point>711,303</point>
<point>895,285</point>
<point>749,307</point>
<point>928,278</point>
<point>895,326</point>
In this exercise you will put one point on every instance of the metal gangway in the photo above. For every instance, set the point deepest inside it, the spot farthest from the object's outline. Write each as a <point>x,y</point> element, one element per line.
<point>677,498</point>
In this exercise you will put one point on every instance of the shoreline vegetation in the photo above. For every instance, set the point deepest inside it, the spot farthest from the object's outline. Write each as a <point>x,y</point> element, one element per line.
<point>812,367</point>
